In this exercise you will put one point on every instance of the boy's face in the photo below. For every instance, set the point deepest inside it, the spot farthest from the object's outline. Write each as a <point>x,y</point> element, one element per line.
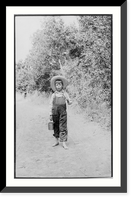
<point>58,85</point>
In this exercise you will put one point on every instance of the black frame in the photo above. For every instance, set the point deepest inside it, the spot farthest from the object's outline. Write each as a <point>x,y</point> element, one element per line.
<point>123,188</point>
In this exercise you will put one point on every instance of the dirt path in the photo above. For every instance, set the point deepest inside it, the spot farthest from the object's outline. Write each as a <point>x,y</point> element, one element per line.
<point>89,153</point>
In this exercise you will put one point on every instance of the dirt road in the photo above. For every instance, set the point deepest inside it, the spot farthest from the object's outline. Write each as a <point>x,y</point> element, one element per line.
<point>89,153</point>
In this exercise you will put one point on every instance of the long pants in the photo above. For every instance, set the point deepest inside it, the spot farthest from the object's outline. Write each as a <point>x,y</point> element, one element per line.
<point>60,122</point>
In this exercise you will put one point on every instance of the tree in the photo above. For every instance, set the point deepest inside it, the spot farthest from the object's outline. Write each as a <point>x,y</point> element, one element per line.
<point>83,53</point>
<point>92,55</point>
<point>23,77</point>
<point>48,45</point>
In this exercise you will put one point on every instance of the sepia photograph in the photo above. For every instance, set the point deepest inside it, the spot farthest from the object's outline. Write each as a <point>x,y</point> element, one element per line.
<point>63,96</point>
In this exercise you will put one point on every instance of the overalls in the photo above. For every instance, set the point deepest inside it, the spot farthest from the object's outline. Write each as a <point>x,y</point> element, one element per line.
<point>60,118</point>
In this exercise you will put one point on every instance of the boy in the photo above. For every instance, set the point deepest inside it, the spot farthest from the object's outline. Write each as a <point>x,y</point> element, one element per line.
<point>58,113</point>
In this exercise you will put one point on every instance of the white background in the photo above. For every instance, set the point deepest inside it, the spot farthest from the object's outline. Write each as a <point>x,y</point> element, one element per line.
<point>115,181</point>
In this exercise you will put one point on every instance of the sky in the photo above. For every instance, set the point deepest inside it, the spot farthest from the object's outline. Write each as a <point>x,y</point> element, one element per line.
<point>25,26</point>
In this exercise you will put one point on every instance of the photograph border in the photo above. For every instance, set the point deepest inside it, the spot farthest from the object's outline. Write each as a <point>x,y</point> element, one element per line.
<point>123,187</point>
<point>15,43</point>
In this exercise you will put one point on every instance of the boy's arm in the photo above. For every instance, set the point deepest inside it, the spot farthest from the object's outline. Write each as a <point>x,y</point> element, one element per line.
<point>69,101</point>
<point>51,104</point>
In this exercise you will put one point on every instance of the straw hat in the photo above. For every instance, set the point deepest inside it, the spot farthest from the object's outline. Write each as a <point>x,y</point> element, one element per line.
<point>62,78</point>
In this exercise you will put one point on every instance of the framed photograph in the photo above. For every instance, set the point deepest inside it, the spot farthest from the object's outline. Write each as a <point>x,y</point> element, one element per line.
<point>66,99</point>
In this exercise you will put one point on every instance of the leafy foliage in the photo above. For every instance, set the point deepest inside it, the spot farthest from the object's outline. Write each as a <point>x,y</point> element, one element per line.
<point>84,51</point>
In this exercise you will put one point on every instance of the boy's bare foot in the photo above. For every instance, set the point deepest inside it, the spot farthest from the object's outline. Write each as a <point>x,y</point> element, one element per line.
<point>64,145</point>
<point>56,143</point>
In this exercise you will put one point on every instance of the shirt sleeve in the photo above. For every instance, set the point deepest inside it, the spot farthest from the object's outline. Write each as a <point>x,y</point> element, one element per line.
<point>69,101</point>
<point>51,104</point>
